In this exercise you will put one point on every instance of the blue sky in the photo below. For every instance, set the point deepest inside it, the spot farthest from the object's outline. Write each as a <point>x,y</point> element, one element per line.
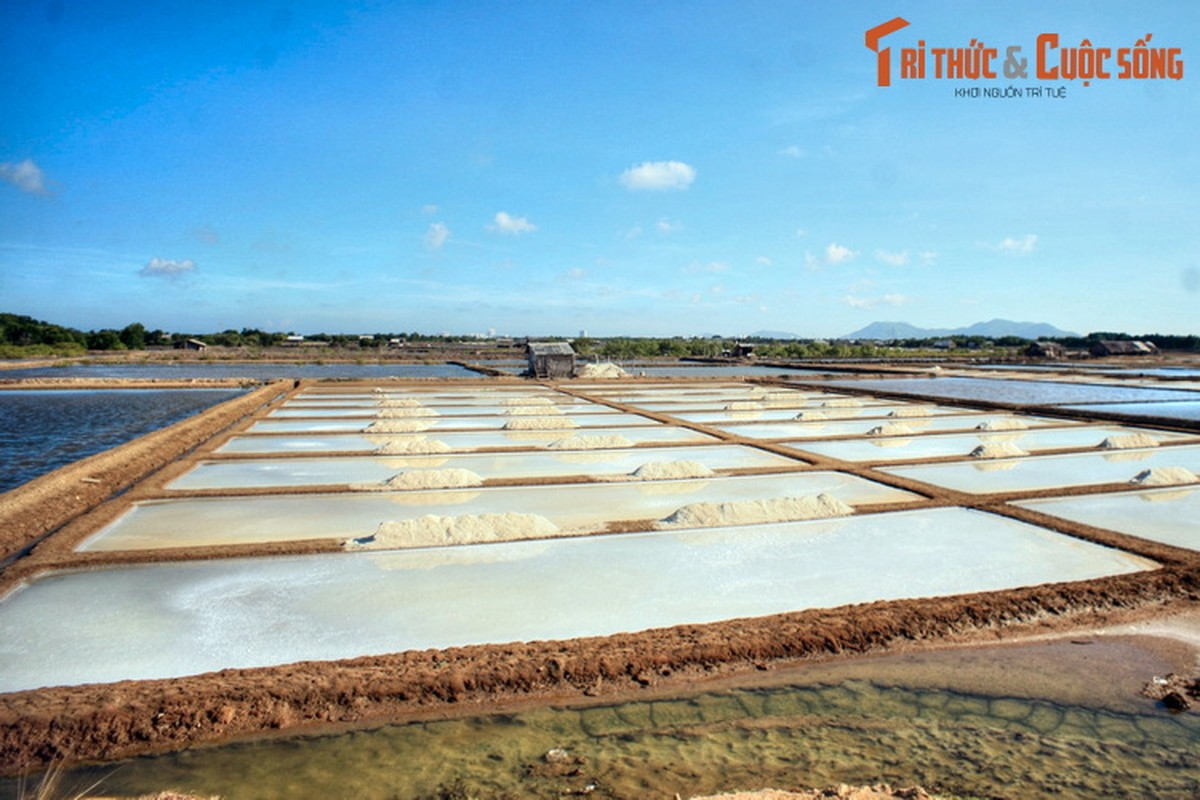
<point>624,168</point>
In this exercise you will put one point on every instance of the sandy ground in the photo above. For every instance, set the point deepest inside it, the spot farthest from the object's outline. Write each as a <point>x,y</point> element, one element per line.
<point>109,721</point>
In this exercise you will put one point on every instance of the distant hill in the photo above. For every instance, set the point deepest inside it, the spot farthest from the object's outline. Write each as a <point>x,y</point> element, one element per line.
<point>992,329</point>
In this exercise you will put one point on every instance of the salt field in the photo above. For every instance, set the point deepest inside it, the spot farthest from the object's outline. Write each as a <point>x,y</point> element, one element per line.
<point>343,521</point>
<point>181,619</point>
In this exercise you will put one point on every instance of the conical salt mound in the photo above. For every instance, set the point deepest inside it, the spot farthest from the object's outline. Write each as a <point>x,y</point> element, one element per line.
<point>997,450</point>
<point>432,531</point>
<point>754,512</point>
<point>1165,476</point>
<point>891,429</point>
<point>1128,441</point>
<point>424,479</point>
<point>671,470</point>
<point>1003,424</point>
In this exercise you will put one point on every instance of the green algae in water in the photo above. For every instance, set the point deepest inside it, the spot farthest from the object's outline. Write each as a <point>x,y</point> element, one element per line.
<point>792,737</point>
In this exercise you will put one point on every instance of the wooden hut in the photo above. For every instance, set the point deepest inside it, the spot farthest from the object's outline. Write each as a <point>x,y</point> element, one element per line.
<point>1046,350</point>
<point>550,359</point>
<point>1111,347</point>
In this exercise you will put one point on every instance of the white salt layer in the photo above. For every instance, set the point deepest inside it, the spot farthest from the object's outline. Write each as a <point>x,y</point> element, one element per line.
<point>753,512</point>
<point>431,530</point>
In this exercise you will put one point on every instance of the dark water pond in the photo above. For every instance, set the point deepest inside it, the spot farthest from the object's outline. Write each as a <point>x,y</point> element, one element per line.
<point>1177,410</point>
<point>43,430</point>
<point>1020,392</point>
<point>255,370</point>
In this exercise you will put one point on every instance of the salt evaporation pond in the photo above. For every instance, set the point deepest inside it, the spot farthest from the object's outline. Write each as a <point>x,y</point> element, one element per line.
<point>332,423</point>
<point>539,464</point>
<point>43,430</point>
<point>258,370</point>
<point>991,476</point>
<point>173,619</point>
<point>910,447</point>
<point>1189,411</point>
<point>314,410</point>
<point>822,429</point>
<point>187,522</point>
<point>457,441</point>
<point>1169,515</point>
<point>1005,390</point>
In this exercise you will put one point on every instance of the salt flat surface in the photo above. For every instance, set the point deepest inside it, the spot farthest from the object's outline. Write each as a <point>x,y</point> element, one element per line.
<point>1169,515</point>
<point>456,441</point>
<point>987,476</point>
<point>537,464</point>
<point>900,448</point>
<point>187,522</point>
<point>168,620</point>
<point>821,429</point>
<point>868,410</point>
<point>466,411</point>
<point>359,422</point>
<point>1173,410</point>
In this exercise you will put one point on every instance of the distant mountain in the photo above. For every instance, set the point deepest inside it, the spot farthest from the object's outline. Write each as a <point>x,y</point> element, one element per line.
<point>992,329</point>
<point>775,335</point>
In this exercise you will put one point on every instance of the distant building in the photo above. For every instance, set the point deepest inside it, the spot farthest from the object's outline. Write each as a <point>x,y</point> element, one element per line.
<point>944,344</point>
<point>192,344</point>
<point>1110,347</point>
<point>742,350</point>
<point>1046,350</point>
<point>550,359</point>
<point>293,340</point>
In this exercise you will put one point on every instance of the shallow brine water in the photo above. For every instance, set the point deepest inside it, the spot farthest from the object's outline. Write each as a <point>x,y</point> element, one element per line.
<point>170,619</point>
<point>1016,391</point>
<point>529,465</point>
<point>43,430</point>
<point>1170,516</point>
<point>873,721</point>
<point>582,507</point>
<point>1187,411</point>
<point>257,370</point>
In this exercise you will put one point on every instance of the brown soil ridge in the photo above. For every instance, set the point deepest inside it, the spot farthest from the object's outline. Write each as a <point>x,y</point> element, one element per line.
<point>111,721</point>
<point>48,502</point>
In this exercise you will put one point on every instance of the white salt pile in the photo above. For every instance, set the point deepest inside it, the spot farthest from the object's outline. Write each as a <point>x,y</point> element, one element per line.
<point>670,470</point>
<point>754,512</point>
<point>810,415</point>
<point>842,402</point>
<point>528,401</point>
<point>1002,424</point>
<point>399,425</point>
<point>432,531</point>
<point>1165,476</point>
<point>521,423</point>
<point>997,450</point>
<point>891,429</point>
<point>1128,441</point>
<point>910,411</point>
<point>743,405</point>
<point>599,442</point>
<point>409,446</point>
<point>533,411</point>
<point>424,479</point>
<point>783,399</point>
<point>400,402</point>
<point>606,370</point>
<point>404,412</point>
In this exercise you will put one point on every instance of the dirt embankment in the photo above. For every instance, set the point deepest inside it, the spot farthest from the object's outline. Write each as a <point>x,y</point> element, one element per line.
<point>48,502</point>
<point>110,721</point>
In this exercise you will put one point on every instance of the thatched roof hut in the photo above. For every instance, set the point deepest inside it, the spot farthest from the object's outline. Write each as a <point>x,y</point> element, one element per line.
<point>1046,350</point>
<point>1111,347</point>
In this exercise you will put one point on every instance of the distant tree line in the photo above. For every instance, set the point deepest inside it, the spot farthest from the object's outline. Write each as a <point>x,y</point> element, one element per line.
<point>22,335</point>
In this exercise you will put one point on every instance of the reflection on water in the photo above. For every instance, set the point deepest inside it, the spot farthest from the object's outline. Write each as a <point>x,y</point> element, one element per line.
<point>43,430</point>
<point>857,731</point>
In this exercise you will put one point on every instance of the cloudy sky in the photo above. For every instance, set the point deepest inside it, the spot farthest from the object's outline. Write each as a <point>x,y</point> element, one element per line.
<point>620,167</point>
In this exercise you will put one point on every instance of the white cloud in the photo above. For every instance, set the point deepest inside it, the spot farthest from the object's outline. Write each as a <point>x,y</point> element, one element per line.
<point>576,274</point>
<point>25,175</point>
<point>665,226</point>
<point>792,151</point>
<point>927,257</point>
<point>1023,245</point>
<point>838,254</point>
<point>437,235</point>
<point>429,208</point>
<point>764,261</point>
<point>892,259</point>
<point>167,267</point>
<point>514,226</point>
<point>801,233</point>
<point>658,176</point>
<point>855,301</point>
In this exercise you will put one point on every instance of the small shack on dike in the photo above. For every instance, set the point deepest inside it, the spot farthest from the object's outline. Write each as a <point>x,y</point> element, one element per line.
<point>550,359</point>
